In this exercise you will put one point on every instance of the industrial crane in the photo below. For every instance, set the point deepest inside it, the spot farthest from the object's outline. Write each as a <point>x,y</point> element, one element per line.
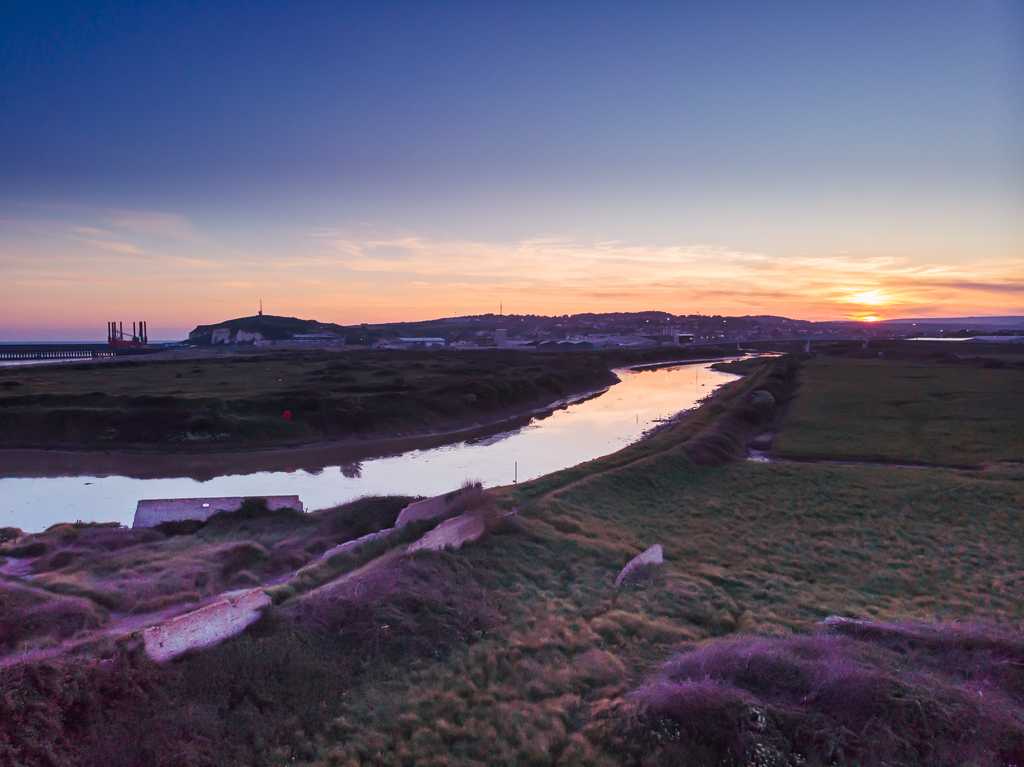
<point>117,337</point>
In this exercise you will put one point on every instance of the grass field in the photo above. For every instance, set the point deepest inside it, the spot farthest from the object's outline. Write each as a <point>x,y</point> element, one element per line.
<point>239,401</point>
<point>519,649</point>
<point>865,409</point>
<point>750,549</point>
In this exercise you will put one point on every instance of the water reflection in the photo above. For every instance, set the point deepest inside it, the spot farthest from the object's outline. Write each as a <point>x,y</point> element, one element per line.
<point>352,470</point>
<point>578,433</point>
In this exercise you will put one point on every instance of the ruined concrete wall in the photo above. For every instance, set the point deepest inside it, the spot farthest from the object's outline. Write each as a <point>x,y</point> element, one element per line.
<point>651,557</point>
<point>205,627</point>
<point>445,505</point>
<point>356,543</point>
<point>451,534</point>
<point>152,512</point>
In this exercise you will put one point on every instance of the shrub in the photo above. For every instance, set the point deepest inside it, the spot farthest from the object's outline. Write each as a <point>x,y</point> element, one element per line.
<point>33,614</point>
<point>853,693</point>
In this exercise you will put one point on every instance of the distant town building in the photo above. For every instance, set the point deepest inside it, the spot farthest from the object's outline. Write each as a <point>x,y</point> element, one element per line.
<point>319,338</point>
<point>419,343</point>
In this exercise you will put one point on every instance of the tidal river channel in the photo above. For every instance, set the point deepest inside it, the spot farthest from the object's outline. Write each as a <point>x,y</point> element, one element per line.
<point>579,432</point>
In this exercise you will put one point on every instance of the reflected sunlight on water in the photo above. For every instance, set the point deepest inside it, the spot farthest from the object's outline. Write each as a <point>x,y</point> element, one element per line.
<point>580,432</point>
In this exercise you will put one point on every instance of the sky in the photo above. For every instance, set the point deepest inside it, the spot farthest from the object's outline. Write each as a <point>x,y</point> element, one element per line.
<point>374,161</point>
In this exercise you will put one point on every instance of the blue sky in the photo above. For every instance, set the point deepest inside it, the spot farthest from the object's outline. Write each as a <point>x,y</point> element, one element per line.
<point>370,161</point>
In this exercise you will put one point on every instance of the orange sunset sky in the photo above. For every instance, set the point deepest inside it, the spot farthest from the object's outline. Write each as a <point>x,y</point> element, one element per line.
<point>814,160</point>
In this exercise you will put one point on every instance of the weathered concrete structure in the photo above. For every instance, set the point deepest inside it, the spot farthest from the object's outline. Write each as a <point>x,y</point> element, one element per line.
<point>210,625</point>
<point>451,534</point>
<point>356,543</point>
<point>152,512</point>
<point>445,505</point>
<point>651,557</point>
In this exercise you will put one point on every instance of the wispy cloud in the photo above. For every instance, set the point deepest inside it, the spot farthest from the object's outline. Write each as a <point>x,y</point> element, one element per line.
<point>150,223</point>
<point>117,246</point>
<point>105,240</point>
<point>701,276</point>
<point>91,232</point>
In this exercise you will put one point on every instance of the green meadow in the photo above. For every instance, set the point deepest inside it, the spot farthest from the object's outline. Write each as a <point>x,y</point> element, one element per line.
<point>927,412</point>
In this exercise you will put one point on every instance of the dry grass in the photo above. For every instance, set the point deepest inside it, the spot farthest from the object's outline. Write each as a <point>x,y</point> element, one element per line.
<point>256,700</point>
<point>35,616</point>
<point>119,570</point>
<point>751,549</point>
<point>869,694</point>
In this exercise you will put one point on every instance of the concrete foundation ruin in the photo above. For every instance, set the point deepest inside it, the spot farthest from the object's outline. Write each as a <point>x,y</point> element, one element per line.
<point>152,512</point>
<point>208,626</point>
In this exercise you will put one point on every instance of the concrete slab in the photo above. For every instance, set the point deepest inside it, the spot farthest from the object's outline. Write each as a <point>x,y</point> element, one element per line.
<point>205,627</point>
<point>451,534</point>
<point>651,556</point>
<point>152,512</point>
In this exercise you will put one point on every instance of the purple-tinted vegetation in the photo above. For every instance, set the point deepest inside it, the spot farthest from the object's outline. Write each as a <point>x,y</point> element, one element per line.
<point>852,693</point>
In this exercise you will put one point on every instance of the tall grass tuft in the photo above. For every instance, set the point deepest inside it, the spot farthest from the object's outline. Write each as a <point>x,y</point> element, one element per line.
<point>860,693</point>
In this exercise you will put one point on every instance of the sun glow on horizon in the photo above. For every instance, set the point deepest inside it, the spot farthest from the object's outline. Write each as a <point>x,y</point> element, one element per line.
<point>384,275</point>
<point>873,297</point>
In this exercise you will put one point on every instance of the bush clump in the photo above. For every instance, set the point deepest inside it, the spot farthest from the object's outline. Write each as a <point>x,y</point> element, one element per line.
<point>852,693</point>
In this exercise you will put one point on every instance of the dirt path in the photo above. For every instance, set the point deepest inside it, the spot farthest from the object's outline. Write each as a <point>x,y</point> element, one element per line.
<point>759,456</point>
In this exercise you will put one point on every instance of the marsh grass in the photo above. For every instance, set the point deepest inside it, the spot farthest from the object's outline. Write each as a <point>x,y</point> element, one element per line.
<point>519,650</point>
<point>750,549</point>
<point>913,411</point>
<point>257,700</point>
<point>137,571</point>
<point>239,400</point>
<point>874,694</point>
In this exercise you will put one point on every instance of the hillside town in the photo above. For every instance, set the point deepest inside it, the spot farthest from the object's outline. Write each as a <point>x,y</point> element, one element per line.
<point>579,331</point>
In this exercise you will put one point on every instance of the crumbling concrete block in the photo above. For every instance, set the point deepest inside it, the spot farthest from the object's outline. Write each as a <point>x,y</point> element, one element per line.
<point>152,512</point>
<point>840,620</point>
<point>356,543</point>
<point>652,556</point>
<point>451,534</point>
<point>205,627</point>
<point>445,505</point>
